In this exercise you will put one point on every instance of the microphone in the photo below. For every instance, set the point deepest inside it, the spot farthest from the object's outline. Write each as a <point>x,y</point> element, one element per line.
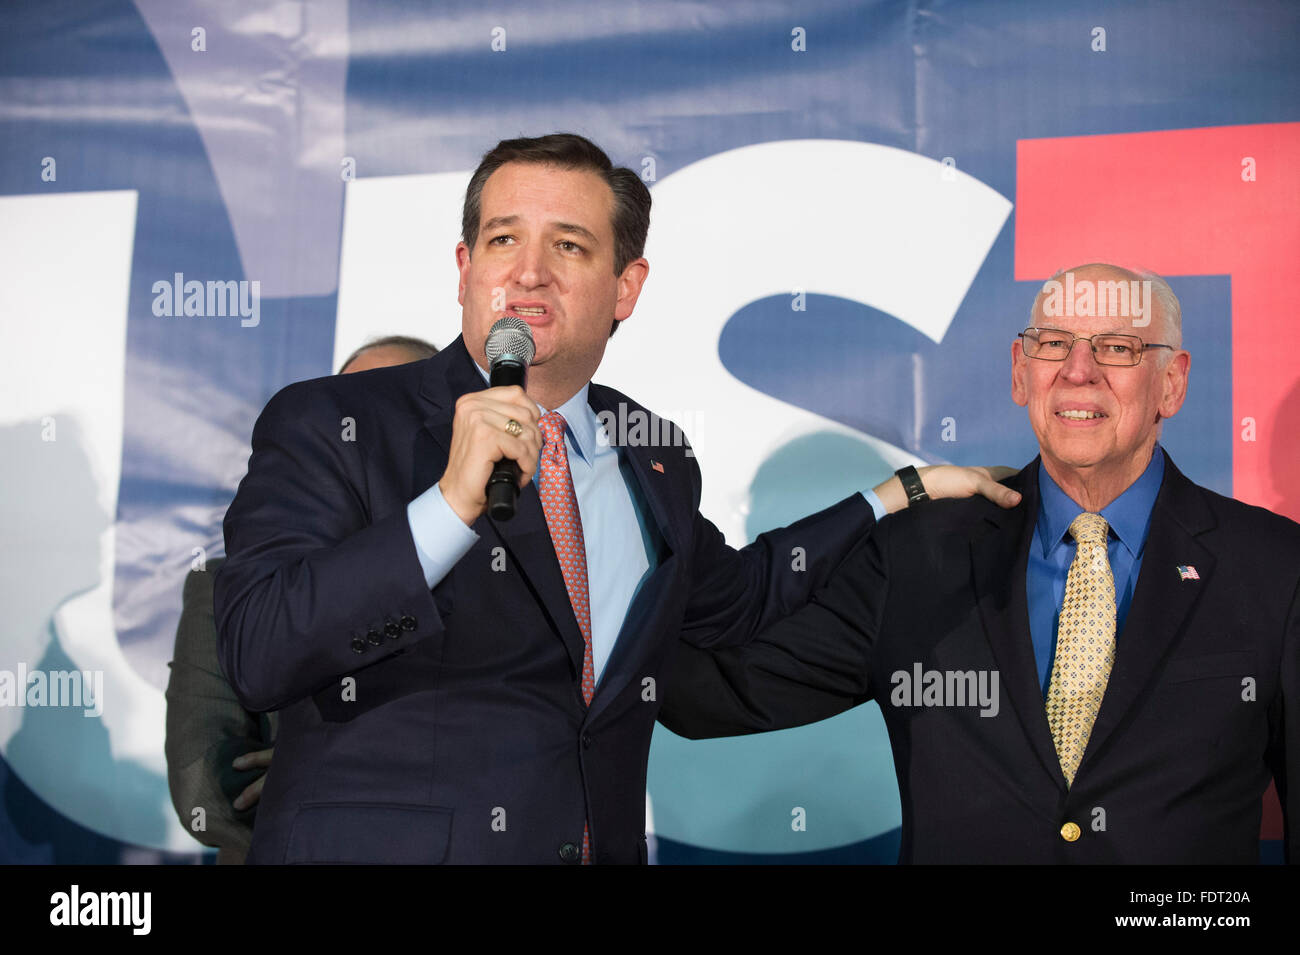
<point>509,350</point>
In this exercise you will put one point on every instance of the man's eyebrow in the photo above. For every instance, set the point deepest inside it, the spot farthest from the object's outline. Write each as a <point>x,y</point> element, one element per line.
<point>577,230</point>
<point>498,222</point>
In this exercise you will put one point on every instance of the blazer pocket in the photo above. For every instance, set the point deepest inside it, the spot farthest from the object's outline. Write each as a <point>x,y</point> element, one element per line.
<point>1207,666</point>
<point>369,833</point>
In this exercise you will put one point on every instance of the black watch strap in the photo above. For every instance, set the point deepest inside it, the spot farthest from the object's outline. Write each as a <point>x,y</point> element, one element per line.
<point>912,485</point>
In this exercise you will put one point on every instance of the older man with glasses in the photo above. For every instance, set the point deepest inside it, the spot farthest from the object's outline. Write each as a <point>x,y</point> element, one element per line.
<point>1108,673</point>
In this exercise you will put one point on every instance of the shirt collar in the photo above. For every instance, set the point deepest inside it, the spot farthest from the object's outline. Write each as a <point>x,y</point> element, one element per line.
<point>1129,515</point>
<point>577,414</point>
<point>582,423</point>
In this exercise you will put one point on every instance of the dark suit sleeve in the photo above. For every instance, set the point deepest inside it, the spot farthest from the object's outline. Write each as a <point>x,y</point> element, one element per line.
<point>805,666</point>
<point>308,570</point>
<point>1284,742</point>
<point>207,728</point>
<point>736,593</point>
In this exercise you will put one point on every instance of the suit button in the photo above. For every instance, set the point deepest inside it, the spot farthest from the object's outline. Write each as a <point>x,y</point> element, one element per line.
<point>407,622</point>
<point>1070,832</point>
<point>586,741</point>
<point>391,630</point>
<point>358,645</point>
<point>374,637</point>
<point>570,853</point>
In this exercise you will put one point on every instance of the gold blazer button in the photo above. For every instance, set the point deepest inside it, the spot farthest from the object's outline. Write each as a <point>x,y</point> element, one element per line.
<point>1070,832</point>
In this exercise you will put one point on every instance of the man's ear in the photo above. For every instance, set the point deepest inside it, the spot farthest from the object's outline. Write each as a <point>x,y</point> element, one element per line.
<point>629,288</point>
<point>462,265</point>
<point>1174,383</point>
<point>1019,394</point>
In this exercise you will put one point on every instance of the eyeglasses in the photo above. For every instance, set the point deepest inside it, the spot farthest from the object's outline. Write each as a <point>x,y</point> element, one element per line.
<point>1052,344</point>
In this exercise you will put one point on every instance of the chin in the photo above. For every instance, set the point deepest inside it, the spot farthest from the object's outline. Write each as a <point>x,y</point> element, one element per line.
<point>1076,455</point>
<point>1079,465</point>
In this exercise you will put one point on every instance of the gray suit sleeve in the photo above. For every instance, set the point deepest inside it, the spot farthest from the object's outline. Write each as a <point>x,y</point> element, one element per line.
<point>207,728</point>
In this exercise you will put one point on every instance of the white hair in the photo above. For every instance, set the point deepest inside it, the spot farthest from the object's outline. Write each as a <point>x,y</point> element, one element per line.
<point>1170,310</point>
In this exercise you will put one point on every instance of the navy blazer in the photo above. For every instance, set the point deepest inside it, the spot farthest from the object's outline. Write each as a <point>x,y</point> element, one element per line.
<point>1202,705</point>
<point>449,725</point>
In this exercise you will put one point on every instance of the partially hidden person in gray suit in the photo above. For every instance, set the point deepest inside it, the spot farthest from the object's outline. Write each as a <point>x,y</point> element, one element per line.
<point>218,752</point>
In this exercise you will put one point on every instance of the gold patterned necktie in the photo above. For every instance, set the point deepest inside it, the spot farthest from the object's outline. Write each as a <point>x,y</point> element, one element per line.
<point>1085,643</point>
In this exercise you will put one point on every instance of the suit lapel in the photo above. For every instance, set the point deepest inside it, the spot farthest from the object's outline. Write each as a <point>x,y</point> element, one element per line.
<point>450,374</point>
<point>1162,601</point>
<point>999,560</point>
<point>528,542</point>
<point>654,484</point>
<point>631,648</point>
<point>447,375</point>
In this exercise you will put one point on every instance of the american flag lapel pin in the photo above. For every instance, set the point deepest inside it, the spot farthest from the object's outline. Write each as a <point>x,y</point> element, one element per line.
<point>1187,572</point>
<point>656,466</point>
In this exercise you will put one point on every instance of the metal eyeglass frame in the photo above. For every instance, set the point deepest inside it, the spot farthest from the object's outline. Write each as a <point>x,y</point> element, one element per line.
<point>1092,345</point>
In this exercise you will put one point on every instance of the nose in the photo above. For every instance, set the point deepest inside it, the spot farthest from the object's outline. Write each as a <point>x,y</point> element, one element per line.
<point>1081,366</point>
<point>531,269</point>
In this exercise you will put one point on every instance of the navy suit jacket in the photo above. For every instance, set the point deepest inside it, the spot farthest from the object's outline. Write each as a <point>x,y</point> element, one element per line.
<point>1202,705</point>
<point>449,725</point>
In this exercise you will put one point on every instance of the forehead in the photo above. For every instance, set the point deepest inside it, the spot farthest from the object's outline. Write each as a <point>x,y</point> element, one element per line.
<point>542,194</point>
<point>1098,301</point>
<point>380,356</point>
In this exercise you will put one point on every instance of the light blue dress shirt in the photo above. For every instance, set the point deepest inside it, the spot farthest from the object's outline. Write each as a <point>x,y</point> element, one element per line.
<point>620,547</point>
<point>1052,551</point>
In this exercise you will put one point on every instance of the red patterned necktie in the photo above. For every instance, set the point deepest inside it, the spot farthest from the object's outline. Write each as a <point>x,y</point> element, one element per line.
<point>560,505</point>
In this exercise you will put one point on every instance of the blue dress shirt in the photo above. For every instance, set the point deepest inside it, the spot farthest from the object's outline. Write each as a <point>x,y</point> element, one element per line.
<point>1052,551</point>
<point>620,547</point>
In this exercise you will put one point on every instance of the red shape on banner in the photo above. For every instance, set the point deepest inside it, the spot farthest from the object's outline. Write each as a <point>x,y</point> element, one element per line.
<point>1183,202</point>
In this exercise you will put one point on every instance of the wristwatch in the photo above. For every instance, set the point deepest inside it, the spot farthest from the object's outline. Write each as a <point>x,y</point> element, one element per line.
<point>912,485</point>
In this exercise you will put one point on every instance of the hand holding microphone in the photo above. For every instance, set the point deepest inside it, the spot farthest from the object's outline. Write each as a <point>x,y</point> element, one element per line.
<point>495,440</point>
<point>509,350</point>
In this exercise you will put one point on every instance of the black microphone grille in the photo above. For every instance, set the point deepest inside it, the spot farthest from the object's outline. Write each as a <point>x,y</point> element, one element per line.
<point>510,336</point>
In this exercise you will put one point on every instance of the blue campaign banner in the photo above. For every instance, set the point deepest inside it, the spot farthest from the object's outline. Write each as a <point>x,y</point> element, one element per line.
<point>854,205</point>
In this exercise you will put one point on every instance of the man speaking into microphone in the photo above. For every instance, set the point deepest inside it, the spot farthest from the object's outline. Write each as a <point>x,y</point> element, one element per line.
<point>462,686</point>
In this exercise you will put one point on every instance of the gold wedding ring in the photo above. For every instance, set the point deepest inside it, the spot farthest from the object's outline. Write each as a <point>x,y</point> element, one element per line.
<point>514,428</point>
